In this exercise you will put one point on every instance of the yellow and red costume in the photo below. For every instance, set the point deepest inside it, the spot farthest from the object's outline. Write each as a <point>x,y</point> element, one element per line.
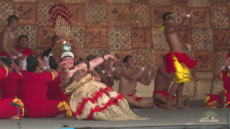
<point>179,64</point>
<point>211,98</point>
<point>162,93</point>
<point>135,97</point>
<point>6,110</point>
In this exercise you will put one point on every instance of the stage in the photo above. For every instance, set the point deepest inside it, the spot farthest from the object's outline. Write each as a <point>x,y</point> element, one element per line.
<point>159,119</point>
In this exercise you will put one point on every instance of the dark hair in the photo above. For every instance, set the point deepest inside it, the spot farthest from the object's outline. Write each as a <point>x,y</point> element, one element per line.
<point>126,58</point>
<point>90,57</point>
<point>52,63</point>
<point>164,17</point>
<point>11,18</point>
<point>32,63</point>
<point>54,37</point>
<point>46,52</point>
<point>17,62</point>
<point>23,36</point>
<point>6,60</point>
<point>164,57</point>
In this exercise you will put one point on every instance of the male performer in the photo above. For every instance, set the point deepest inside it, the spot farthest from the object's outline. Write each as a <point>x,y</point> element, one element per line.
<point>23,46</point>
<point>108,74</point>
<point>7,47</point>
<point>162,83</point>
<point>176,61</point>
<point>128,83</point>
<point>214,100</point>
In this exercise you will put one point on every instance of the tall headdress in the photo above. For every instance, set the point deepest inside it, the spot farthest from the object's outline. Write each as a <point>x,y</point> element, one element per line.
<point>60,21</point>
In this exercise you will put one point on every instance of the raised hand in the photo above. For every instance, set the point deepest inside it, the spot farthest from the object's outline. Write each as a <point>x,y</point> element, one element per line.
<point>145,65</point>
<point>41,62</point>
<point>110,57</point>
<point>63,65</point>
<point>183,14</point>
<point>149,68</point>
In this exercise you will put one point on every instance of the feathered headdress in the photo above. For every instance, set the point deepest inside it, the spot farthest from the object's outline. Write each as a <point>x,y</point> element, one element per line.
<point>60,21</point>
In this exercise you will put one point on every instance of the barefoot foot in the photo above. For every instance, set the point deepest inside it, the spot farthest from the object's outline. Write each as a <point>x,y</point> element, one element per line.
<point>181,107</point>
<point>168,106</point>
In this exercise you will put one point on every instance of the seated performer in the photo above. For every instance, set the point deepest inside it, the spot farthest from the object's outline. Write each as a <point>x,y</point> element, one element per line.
<point>128,83</point>
<point>33,91</point>
<point>54,90</point>
<point>23,46</point>
<point>6,110</point>
<point>214,100</point>
<point>46,53</point>
<point>108,74</point>
<point>176,61</point>
<point>9,85</point>
<point>162,83</point>
<point>7,47</point>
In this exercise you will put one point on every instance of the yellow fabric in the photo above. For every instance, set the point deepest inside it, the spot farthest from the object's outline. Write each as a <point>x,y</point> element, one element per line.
<point>6,71</point>
<point>182,73</point>
<point>64,106</point>
<point>228,74</point>
<point>52,76</point>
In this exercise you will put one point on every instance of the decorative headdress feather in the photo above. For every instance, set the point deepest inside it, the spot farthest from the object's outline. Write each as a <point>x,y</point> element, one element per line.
<point>60,21</point>
<point>166,16</point>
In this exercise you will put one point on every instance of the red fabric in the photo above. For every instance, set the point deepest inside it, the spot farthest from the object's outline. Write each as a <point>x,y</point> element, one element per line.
<point>54,90</point>
<point>3,72</point>
<point>27,51</point>
<point>226,80</point>
<point>9,85</point>
<point>212,98</point>
<point>4,54</point>
<point>6,110</point>
<point>135,98</point>
<point>163,93</point>
<point>228,55</point>
<point>106,105</point>
<point>182,58</point>
<point>33,91</point>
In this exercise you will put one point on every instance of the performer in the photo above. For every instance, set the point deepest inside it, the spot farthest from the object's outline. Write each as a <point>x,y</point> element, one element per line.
<point>214,100</point>
<point>54,90</point>
<point>6,110</point>
<point>9,85</point>
<point>128,83</point>
<point>7,47</point>
<point>162,83</point>
<point>33,91</point>
<point>23,46</point>
<point>176,61</point>
<point>108,74</point>
<point>88,99</point>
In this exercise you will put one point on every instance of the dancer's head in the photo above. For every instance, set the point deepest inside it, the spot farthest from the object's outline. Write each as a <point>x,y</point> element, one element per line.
<point>13,21</point>
<point>12,65</point>
<point>129,61</point>
<point>69,58</point>
<point>168,19</point>
<point>32,64</point>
